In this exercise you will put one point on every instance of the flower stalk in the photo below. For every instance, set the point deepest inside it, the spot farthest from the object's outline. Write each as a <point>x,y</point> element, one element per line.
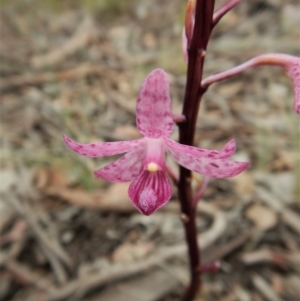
<point>222,11</point>
<point>193,93</point>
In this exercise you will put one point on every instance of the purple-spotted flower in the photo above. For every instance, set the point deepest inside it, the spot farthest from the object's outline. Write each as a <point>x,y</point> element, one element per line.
<point>292,69</point>
<point>144,161</point>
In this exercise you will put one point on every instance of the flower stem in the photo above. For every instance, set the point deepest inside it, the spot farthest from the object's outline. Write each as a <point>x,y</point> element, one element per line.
<point>275,59</point>
<point>221,12</point>
<point>193,93</point>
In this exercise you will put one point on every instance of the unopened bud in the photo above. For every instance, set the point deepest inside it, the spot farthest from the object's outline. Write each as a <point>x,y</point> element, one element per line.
<point>190,20</point>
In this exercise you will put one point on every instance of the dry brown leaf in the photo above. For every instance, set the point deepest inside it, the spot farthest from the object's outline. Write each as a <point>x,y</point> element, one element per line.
<point>129,252</point>
<point>283,160</point>
<point>262,217</point>
<point>244,184</point>
<point>115,198</point>
<point>50,177</point>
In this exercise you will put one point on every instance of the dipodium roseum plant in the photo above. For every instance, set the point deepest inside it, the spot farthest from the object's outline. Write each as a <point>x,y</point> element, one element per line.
<point>143,161</point>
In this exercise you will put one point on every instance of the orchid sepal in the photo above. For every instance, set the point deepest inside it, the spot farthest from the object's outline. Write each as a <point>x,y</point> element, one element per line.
<point>101,149</point>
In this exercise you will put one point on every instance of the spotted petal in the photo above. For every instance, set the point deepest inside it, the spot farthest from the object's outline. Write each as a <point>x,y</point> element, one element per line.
<point>124,169</point>
<point>150,191</point>
<point>154,112</point>
<point>216,168</point>
<point>101,149</point>
<point>226,152</point>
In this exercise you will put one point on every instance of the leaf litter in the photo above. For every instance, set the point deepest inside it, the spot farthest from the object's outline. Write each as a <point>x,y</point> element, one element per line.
<point>65,236</point>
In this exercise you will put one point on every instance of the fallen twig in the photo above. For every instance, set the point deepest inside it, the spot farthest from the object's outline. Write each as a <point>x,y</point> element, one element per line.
<point>85,32</point>
<point>40,78</point>
<point>18,230</point>
<point>265,289</point>
<point>291,218</point>
<point>26,276</point>
<point>282,259</point>
<point>56,265</point>
<point>44,238</point>
<point>219,252</point>
<point>13,252</point>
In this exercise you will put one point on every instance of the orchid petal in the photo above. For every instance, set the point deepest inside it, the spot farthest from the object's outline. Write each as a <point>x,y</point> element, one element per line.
<point>293,71</point>
<point>226,152</point>
<point>215,168</point>
<point>150,191</point>
<point>125,169</point>
<point>154,112</point>
<point>101,149</point>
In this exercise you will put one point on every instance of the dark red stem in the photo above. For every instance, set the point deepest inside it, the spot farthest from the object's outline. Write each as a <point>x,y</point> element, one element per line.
<point>193,93</point>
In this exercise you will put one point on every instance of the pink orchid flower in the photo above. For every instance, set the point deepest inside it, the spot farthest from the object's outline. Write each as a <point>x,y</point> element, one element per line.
<point>292,69</point>
<point>144,161</point>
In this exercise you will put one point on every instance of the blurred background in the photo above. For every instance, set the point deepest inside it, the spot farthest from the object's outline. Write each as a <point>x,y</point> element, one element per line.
<point>75,67</point>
